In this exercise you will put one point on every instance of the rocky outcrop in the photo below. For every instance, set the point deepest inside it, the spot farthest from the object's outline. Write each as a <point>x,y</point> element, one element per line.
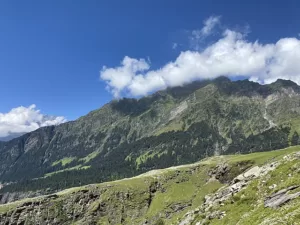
<point>177,111</point>
<point>210,209</point>
<point>85,206</point>
<point>281,197</point>
<point>219,172</point>
<point>238,183</point>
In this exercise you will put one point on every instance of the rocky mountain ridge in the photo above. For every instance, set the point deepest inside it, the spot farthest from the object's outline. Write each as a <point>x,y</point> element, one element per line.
<point>173,127</point>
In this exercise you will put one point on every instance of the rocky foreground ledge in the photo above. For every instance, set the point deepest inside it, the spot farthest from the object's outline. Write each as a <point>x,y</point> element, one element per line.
<point>259,188</point>
<point>236,191</point>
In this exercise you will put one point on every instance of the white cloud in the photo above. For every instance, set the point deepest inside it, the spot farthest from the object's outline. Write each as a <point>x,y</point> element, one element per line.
<point>209,25</point>
<point>25,119</point>
<point>232,55</point>
<point>121,77</point>
<point>198,36</point>
<point>174,46</point>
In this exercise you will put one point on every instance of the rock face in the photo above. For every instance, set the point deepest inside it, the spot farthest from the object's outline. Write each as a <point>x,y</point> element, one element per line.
<point>86,206</point>
<point>281,197</point>
<point>219,172</point>
<point>239,183</point>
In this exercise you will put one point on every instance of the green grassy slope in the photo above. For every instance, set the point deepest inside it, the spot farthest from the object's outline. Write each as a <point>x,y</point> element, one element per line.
<point>165,196</point>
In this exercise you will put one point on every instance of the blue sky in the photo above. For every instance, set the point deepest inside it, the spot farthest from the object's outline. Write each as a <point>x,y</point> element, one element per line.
<point>51,52</point>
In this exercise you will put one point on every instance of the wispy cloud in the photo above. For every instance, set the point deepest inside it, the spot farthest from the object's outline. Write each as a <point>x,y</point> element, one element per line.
<point>25,119</point>
<point>231,55</point>
<point>198,36</point>
<point>174,46</point>
<point>209,25</point>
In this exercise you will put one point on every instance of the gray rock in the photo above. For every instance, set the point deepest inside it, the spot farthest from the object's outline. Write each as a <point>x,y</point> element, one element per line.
<point>281,197</point>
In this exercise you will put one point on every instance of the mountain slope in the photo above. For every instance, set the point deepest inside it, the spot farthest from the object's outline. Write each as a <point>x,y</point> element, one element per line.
<point>233,189</point>
<point>176,126</point>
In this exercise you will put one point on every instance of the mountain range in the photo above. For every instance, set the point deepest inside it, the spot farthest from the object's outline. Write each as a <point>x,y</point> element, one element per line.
<point>128,137</point>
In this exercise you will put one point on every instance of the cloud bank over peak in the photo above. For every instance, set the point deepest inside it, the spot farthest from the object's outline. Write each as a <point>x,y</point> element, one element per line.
<point>25,119</point>
<point>231,55</point>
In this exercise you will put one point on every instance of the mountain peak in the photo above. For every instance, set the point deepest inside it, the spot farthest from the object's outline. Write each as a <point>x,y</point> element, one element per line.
<point>285,83</point>
<point>222,79</point>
